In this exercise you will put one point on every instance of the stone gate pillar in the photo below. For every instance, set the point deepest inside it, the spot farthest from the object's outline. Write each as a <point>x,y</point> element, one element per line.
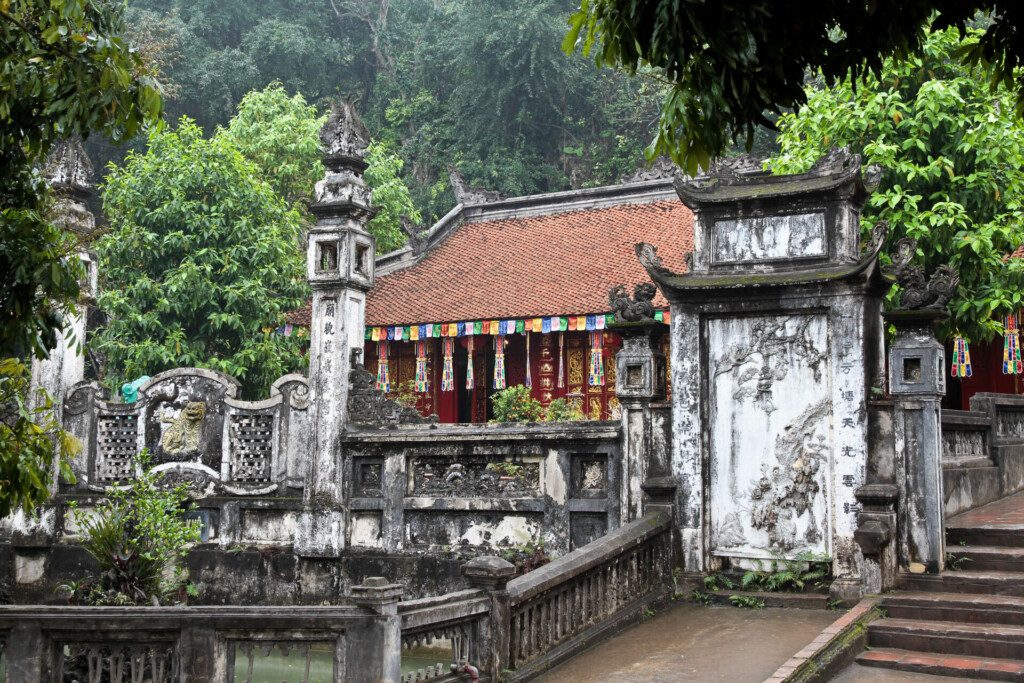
<point>340,268</point>
<point>640,369</point>
<point>776,340</point>
<point>917,382</point>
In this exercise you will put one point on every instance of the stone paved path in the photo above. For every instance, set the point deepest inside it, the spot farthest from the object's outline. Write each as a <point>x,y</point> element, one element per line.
<point>689,642</point>
<point>1004,513</point>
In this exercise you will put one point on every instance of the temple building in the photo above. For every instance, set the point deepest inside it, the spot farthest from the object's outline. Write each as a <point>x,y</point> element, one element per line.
<point>503,292</point>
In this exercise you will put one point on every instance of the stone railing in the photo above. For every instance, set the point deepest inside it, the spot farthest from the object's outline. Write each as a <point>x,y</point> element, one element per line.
<point>171,644</point>
<point>965,438</point>
<point>565,606</point>
<point>457,623</point>
<point>435,487</point>
<point>983,451</point>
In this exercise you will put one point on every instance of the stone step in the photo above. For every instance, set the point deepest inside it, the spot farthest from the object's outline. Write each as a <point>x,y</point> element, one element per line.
<point>977,557</point>
<point>948,637</point>
<point>958,607</point>
<point>1004,535</point>
<point>984,582</point>
<point>944,665</point>
<point>784,600</point>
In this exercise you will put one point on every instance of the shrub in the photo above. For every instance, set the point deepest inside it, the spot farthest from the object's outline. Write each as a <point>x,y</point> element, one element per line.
<point>515,404</point>
<point>561,410</point>
<point>139,537</point>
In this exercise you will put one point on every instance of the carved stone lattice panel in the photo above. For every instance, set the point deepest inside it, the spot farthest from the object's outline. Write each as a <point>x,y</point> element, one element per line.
<point>252,447</point>
<point>116,445</point>
<point>964,444</point>
<point>769,455</point>
<point>1011,424</point>
<point>470,476</point>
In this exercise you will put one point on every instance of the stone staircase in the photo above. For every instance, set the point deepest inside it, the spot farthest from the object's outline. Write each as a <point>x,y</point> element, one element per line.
<point>966,622</point>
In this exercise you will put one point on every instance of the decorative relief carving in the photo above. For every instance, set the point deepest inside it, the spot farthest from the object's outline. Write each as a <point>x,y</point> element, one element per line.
<point>116,446</point>
<point>1010,423</point>
<point>369,475</point>
<point>252,447</point>
<point>964,444</point>
<point>636,309</point>
<point>935,292</point>
<point>185,432</point>
<point>575,357</point>
<point>368,406</point>
<point>474,476</point>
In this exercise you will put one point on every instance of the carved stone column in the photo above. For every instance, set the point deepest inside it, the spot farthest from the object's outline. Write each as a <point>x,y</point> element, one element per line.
<point>340,269</point>
<point>917,382</point>
<point>493,574</point>
<point>640,369</point>
<point>377,594</point>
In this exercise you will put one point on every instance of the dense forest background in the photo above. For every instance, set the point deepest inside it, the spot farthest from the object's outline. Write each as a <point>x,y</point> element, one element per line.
<point>481,85</point>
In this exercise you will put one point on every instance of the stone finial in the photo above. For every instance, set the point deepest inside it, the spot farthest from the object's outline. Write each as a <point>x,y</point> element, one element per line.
<point>70,174</point>
<point>375,591</point>
<point>344,134</point>
<point>640,307</point>
<point>418,239</point>
<point>933,293</point>
<point>343,191</point>
<point>466,193</point>
<point>488,572</point>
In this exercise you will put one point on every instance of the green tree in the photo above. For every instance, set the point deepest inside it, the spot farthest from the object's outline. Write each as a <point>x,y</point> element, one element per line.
<point>281,135</point>
<point>953,158</point>
<point>200,264</point>
<point>65,69</point>
<point>729,63</point>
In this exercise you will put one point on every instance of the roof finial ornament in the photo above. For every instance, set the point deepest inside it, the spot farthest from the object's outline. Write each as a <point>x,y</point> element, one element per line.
<point>70,174</point>
<point>344,134</point>
<point>466,193</point>
<point>935,292</point>
<point>637,309</point>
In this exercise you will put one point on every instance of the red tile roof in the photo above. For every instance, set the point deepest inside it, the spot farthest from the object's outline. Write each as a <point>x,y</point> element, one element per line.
<point>556,264</point>
<point>536,266</point>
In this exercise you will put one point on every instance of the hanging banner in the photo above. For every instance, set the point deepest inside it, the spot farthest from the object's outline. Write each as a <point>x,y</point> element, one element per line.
<point>561,354</point>
<point>499,362</point>
<point>422,380</point>
<point>383,377</point>
<point>961,358</point>
<point>1012,364</point>
<point>469,366</point>
<point>447,366</point>
<point>529,377</point>
<point>596,359</point>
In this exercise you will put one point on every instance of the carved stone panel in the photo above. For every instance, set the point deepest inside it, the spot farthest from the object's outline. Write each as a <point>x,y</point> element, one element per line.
<point>769,238</point>
<point>963,444</point>
<point>367,477</point>
<point>589,475</point>
<point>770,413</point>
<point>1010,424</point>
<point>448,477</point>
<point>252,446</point>
<point>184,416</point>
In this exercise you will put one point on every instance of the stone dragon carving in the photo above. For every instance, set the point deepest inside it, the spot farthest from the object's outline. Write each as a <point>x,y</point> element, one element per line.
<point>344,133</point>
<point>920,292</point>
<point>466,193</point>
<point>369,407</point>
<point>185,432</point>
<point>639,308</point>
<point>418,239</point>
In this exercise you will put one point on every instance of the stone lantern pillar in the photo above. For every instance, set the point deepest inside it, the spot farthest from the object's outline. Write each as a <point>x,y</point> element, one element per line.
<point>70,174</point>
<point>640,369</point>
<point>917,383</point>
<point>340,268</point>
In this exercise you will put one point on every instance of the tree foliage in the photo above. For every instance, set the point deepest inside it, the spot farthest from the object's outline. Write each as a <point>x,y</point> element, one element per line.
<point>200,264</point>
<point>65,70</point>
<point>138,536</point>
<point>953,156</point>
<point>728,63</point>
<point>33,447</point>
<point>281,135</point>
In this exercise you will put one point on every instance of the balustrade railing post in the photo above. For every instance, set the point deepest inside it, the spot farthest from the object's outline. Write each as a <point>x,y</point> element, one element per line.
<point>197,656</point>
<point>493,574</point>
<point>384,642</point>
<point>26,652</point>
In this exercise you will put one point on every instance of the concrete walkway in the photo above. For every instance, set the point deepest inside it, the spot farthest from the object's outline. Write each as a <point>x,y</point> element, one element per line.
<point>688,642</point>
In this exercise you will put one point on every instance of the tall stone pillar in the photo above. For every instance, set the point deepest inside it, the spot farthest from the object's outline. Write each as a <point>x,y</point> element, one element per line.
<point>70,174</point>
<point>917,383</point>
<point>640,368</point>
<point>340,269</point>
